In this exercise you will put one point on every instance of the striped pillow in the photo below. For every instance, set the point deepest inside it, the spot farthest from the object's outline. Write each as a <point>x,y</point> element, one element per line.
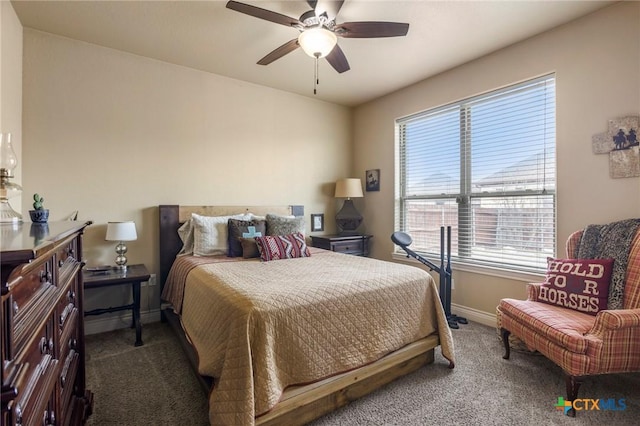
<point>277,247</point>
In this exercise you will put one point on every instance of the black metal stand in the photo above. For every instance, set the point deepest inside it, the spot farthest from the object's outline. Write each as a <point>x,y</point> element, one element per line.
<point>444,270</point>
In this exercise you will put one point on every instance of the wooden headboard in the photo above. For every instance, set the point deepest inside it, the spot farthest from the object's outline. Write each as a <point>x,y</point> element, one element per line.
<point>173,216</point>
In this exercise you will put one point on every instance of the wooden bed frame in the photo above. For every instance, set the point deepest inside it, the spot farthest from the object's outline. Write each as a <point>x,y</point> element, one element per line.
<point>299,404</point>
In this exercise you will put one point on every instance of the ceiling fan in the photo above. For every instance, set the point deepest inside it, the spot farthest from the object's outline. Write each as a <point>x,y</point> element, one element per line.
<point>319,31</point>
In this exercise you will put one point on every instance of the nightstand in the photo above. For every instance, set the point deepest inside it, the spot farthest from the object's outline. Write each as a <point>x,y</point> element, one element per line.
<point>348,244</point>
<point>134,275</point>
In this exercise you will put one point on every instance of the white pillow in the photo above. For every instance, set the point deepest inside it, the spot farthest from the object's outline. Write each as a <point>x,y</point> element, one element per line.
<point>256,217</point>
<point>211,233</point>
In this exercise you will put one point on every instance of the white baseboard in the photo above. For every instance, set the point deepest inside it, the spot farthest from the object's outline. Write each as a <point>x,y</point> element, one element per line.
<point>474,315</point>
<point>95,325</point>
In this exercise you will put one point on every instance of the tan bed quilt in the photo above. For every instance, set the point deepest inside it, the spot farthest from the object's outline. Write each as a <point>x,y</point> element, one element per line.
<point>259,327</point>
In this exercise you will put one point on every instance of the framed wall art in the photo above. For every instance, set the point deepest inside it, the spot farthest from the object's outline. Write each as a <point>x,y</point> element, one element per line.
<point>317,222</point>
<point>372,179</point>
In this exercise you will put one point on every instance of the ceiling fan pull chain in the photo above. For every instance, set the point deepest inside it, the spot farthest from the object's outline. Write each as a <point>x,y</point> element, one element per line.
<point>316,80</point>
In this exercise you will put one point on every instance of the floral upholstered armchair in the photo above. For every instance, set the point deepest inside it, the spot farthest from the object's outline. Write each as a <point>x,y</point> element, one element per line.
<point>585,317</point>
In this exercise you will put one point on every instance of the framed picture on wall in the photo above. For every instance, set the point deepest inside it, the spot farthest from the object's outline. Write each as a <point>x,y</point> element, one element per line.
<point>372,178</point>
<point>317,222</point>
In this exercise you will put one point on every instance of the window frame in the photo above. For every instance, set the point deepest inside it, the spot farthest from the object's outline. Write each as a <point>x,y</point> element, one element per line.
<point>466,194</point>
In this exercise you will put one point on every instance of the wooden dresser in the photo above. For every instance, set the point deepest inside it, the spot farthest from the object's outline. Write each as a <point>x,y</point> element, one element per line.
<point>42,345</point>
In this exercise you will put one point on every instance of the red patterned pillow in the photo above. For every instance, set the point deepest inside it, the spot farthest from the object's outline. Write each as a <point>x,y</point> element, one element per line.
<point>579,284</point>
<point>282,247</point>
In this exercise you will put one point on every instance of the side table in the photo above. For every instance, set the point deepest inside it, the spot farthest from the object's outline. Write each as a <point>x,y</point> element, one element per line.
<point>348,244</point>
<point>134,275</point>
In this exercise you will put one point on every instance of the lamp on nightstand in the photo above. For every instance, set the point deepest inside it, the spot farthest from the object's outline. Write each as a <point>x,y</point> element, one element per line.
<point>121,231</point>
<point>348,218</point>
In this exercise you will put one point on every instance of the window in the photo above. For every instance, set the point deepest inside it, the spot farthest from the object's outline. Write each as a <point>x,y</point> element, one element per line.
<point>486,167</point>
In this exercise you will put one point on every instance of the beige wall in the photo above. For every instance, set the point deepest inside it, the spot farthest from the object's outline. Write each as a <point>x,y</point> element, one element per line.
<point>113,135</point>
<point>11,85</point>
<point>596,60</point>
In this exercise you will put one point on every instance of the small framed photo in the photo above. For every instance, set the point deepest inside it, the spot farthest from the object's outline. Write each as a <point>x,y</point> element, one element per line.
<point>372,178</point>
<point>317,222</point>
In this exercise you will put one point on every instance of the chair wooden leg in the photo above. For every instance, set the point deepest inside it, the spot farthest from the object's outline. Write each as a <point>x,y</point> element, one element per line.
<point>573,384</point>
<point>505,340</point>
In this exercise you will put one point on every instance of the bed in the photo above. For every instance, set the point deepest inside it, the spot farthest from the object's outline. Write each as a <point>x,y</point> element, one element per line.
<point>286,341</point>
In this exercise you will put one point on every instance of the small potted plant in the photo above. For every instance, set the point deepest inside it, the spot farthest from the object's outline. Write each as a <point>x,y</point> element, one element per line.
<point>39,214</point>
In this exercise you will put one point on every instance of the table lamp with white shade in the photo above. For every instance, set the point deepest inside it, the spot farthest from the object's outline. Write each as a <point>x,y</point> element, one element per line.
<point>348,218</point>
<point>121,232</point>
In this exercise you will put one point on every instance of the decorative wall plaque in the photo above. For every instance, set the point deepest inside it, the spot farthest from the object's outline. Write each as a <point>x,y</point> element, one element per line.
<point>620,141</point>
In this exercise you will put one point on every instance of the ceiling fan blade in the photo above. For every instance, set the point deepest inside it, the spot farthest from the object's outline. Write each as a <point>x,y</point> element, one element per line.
<point>278,53</point>
<point>330,7</point>
<point>371,29</point>
<point>337,60</point>
<point>265,14</point>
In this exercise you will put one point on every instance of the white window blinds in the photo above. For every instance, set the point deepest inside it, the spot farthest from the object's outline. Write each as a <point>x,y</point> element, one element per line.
<point>486,167</point>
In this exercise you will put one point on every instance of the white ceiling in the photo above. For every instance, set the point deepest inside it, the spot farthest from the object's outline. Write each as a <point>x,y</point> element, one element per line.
<point>207,36</point>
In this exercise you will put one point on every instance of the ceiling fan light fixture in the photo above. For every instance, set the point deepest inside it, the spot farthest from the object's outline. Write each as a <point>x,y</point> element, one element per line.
<point>317,42</point>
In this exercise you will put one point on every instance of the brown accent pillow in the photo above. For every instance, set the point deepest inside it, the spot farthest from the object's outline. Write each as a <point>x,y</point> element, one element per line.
<point>243,229</point>
<point>249,248</point>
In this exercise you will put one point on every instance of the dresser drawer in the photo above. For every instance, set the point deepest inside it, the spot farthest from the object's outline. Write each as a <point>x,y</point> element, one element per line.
<point>66,260</point>
<point>40,343</point>
<point>38,383</point>
<point>31,299</point>
<point>349,247</point>
<point>68,248</point>
<point>68,334</point>
<point>66,306</point>
<point>66,381</point>
<point>69,356</point>
<point>26,291</point>
<point>346,244</point>
<point>33,406</point>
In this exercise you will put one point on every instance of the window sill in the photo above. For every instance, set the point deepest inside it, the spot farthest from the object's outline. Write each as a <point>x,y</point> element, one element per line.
<point>526,277</point>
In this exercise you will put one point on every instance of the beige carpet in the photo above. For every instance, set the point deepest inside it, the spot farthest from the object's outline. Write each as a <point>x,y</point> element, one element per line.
<point>153,385</point>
